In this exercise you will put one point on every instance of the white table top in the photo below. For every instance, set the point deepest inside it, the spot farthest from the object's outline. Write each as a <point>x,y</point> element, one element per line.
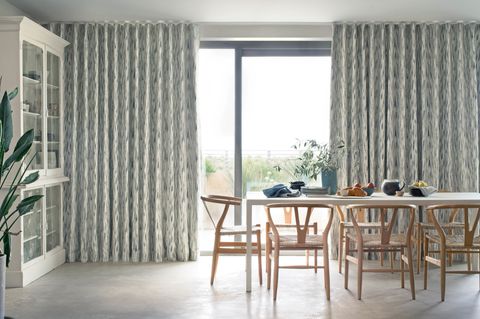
<point>257,198</point>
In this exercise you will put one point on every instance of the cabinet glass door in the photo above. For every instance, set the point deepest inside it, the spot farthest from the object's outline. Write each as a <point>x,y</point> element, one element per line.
<point>53,216</point>
<point>32,229</point>
<point>32,102</point>
<point>53,110</point>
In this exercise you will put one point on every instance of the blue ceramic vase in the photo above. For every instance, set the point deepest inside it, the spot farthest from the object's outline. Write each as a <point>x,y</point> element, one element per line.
<point>329,179</point>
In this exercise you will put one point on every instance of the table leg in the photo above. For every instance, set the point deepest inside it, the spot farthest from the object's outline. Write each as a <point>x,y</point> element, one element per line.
<point>249,248</point>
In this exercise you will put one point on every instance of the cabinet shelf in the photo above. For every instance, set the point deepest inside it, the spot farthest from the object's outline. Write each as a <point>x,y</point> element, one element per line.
<point>31,238</point>
<point>31,114</point>
<point>29,81</point>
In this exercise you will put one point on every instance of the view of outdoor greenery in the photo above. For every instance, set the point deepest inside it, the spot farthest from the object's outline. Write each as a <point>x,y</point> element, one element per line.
<point>276,94</point>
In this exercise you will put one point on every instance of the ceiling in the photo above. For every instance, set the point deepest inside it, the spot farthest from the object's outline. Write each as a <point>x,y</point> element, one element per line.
<point>251,11</point>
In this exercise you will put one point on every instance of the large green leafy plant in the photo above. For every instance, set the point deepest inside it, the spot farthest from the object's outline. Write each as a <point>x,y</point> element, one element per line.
<point>12,176</point>
<point>313,159</point>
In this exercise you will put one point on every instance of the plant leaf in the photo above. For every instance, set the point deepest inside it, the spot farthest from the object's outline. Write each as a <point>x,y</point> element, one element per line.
<point>13,94</point>
<point>6,245</point>
<point>6,118</point>
<point>7,204</point>
<point>30,178</point>
<point>26,205</point>
<point>21,149</point>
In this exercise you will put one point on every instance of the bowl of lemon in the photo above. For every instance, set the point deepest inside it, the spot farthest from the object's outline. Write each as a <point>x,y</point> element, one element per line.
<point>421,189</point>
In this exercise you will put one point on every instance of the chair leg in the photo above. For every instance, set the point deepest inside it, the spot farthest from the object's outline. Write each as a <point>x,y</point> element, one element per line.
<point>443,274</point>
<point>425,262</point>
<point>268,251</point>
<point>402,268</point>
<point>326,270</point>
<point>419,247</point>
<point>341,236</point>
<point>215,258</point>
<point>392,258</point>
<point>307,254</point>
<point>315,251</point>
<point>469,261</point>
<point>347,251</point>
<point>381,258</point>
<point>359,271</point>
<point>410,271</point>
<point>259,253</point>
<point>276,254</point>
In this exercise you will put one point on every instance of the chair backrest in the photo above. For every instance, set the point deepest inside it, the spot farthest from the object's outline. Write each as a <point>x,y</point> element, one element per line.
<point>226,201</point>
<point>386,224</point>
<point>470,225</point>
<point>301,226</point>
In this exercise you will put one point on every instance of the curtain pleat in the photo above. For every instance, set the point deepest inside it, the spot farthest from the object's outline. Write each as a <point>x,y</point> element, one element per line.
<point>404,99</point>
<point>131,147</point>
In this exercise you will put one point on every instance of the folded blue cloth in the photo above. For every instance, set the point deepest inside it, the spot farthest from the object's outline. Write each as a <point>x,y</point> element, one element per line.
<point>280,190</point>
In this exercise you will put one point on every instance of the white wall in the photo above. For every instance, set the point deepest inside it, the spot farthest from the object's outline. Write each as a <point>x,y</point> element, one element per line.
<point>223,31</point>
<point>7,9</point>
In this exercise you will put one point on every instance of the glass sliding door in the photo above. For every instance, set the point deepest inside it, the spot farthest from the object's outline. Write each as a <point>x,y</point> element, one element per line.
<point>254,100</point>
<point>284,99</point>
<point>216,99</point>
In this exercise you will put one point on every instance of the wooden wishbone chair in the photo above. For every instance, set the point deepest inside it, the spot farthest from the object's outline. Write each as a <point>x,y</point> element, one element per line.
<point>467,243</point>
<point>422,228</point>
<point>384,241</point>
<point>365,225</point>
<point>287,214</point>
<point>230,247</point>
<point>301,240</point>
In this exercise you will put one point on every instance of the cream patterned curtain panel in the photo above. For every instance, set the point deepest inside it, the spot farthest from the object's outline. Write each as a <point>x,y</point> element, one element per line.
<point>404,98</point>
<point>130,141</point>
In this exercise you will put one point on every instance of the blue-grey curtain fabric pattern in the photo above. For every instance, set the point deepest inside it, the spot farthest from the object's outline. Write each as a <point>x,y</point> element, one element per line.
<point>404,98</point>
<point>131,149</point>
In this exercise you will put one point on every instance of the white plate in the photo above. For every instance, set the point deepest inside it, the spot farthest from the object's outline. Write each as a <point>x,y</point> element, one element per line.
<point>353,197</point>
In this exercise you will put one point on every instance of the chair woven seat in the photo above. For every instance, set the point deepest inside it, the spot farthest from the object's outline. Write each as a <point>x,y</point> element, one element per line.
<point>373,240</point>
<point>448,225</point>
<point>290,241</point>
<point>238,230</point>
<point>364,225</point>
<point>455,241</point>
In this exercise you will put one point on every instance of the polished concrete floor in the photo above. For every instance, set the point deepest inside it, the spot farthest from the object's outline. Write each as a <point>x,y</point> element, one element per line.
<point>182,290</point>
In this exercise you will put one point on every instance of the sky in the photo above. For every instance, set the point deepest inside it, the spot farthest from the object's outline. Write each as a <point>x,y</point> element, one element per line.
<point>283,98</point>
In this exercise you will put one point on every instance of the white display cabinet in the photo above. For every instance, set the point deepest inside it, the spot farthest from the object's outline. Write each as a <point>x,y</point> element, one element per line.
<point>32,60</point>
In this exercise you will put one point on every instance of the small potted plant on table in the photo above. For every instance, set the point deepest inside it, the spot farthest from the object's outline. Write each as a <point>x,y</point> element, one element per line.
<point>314,160</point>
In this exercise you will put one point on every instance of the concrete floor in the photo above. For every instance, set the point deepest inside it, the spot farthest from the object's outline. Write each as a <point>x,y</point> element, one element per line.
<point>182,290</point>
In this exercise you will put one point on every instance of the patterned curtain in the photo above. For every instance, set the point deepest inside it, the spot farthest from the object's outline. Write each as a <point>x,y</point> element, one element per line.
<point>404,98</point>
<point>130,141</point>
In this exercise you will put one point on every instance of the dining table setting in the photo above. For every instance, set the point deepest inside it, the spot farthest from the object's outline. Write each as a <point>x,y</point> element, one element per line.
<point>392,193</point>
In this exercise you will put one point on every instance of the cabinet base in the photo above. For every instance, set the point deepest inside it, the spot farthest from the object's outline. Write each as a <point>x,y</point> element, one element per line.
<point>19,279</point>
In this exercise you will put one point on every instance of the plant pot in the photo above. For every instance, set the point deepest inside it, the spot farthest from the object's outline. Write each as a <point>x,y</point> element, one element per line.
<point>329,180</point>
<point>3,267</point>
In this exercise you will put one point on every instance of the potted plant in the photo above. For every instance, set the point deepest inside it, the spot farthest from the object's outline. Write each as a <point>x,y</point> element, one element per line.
<point>328,162</point>
<point>12,176</point>
<point>314,160</point>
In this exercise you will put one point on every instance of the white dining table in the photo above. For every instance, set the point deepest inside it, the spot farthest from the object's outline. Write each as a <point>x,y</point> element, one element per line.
<point>258,199</point>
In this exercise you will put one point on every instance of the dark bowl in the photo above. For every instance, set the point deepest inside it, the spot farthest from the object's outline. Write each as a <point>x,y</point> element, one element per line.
<point>369,191</point>
<point>416,192</point>
<point>297,185</point>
